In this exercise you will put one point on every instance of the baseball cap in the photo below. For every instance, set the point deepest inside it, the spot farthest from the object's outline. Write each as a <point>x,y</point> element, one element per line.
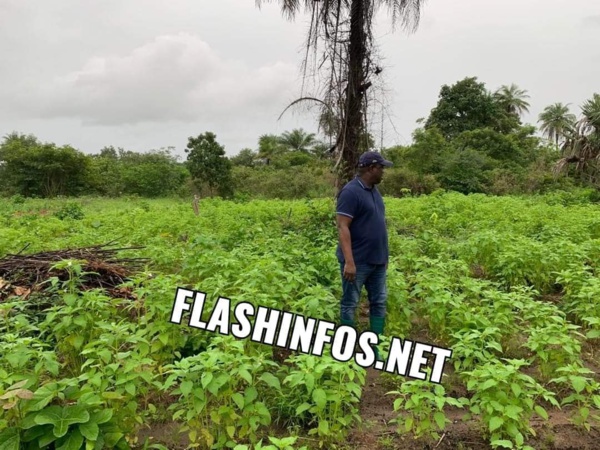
<point>370,158</point>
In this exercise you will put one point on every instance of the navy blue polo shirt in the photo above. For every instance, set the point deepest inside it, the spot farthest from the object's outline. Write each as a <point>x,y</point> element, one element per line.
<point>367,229</point>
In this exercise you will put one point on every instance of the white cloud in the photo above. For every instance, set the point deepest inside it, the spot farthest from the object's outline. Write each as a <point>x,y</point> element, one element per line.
<point>175,77</point>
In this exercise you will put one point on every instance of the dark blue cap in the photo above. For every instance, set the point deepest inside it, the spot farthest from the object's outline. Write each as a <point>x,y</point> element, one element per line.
<point>370,158</point>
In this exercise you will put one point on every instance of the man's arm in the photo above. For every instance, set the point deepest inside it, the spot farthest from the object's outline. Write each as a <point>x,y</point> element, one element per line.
<point>343,226</point>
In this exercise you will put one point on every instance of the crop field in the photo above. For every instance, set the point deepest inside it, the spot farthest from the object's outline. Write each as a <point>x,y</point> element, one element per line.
<point>510,285</point>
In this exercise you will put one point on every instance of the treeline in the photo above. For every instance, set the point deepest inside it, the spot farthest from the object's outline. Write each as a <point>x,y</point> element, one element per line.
<point>473,141</point>
<point>31,168</point>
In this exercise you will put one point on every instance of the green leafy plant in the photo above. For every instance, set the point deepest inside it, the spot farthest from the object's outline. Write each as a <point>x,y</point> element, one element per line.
<point>420,405</point>
<point>71,210</point>
<point>584,396</point>
<point>506,399</point>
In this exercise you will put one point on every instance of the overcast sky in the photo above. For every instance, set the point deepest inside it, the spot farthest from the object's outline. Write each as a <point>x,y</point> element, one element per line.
<point>146,74</point>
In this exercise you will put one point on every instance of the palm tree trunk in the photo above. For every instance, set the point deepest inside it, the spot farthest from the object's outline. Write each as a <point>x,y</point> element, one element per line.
<point>354,100</point>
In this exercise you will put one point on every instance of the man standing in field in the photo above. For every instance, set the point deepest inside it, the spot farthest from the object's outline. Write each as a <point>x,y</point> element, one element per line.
<point>363,243</point>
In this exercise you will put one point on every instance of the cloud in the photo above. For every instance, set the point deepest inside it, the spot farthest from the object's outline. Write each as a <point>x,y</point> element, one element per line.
<point>173,78</point>
<point>592,21</point>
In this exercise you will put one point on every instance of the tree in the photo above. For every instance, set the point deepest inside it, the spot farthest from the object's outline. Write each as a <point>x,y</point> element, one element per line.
<point>270,146</point>
<point>244,158</point>
<point>467,105</point>
<point>466,171</point>
<point>582,142</point>
<point>556,121</point>
<point>345,30</point>
<point>298,140</point>
<point>427,152</point>
<point>512,99</point>
<point>208,164</point>
<point>31,168</point>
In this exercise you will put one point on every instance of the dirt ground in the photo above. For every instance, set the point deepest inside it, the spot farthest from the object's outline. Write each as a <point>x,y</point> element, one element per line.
<point>376,410</point>
<point>377,434</point>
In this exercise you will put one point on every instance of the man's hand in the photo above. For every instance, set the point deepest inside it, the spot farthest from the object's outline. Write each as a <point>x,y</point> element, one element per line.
<point>350,271</point>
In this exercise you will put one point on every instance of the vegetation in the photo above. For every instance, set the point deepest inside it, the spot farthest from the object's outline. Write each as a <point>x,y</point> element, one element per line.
<point>341,37</point>
<point>473,141</point>
<point>512,294</point>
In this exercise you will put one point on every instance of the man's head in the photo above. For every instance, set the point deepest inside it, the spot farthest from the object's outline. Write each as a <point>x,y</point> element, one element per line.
<point>371,165</point>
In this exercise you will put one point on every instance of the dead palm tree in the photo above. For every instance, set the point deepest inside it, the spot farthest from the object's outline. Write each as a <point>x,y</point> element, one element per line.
<point>582,142</point>
<point>556,121</point>
<point>512,99</point>
<point>341,39</point>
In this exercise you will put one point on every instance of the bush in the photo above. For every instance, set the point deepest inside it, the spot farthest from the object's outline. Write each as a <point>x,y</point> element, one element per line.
<point>396,181</point>
<point>72,210</point>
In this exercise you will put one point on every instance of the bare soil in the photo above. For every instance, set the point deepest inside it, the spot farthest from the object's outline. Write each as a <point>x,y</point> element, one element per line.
<point>376,433</point>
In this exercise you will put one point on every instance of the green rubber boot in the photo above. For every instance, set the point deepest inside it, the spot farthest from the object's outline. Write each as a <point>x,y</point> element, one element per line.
<point>349,323</point>
<point>376,326</point>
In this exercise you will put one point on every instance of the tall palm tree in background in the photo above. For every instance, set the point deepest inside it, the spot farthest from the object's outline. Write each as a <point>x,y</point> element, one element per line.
<point>298,140</point>
<point>341,39</point>
<point>556,120</point>
<point>582,142</point>
<point>512,99</point>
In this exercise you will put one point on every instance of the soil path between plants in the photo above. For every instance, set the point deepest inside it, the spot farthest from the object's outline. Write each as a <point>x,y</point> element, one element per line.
<point>376,432</point>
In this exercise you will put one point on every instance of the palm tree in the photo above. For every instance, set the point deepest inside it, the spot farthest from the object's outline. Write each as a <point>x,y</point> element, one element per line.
<point>298,140</point>
<point>345,28</point>
<point>269,146</point>
<point>582,142</point>
<point>556,121</point>
<point>512,99</point>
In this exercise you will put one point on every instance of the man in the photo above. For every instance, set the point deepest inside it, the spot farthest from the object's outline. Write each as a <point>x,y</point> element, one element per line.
<point>363,243</point>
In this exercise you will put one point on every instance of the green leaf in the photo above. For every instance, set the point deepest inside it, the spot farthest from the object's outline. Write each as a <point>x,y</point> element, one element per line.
<point>578,383</point>
<point>206,379</point>
<point>89,430</point>
<point>61,418</point>
<point>250,395</point>
<point>271,380</point>
<point>440,419</point>
<point>186,387</point>
<point>495,423</point>
<point>238,399</point>
<point>37,432</point>
<point>42,397</point>
<point>320,398</point>
<point>246,375</point>
<point>323,428</point>
<point>111,439</point>
<point>309,381</point>
<point>130,389</point>
<point>541,412</point>
<point>72,441</point>
<point>10,439</point>
<point>303,407</point>
<point>488,384</point>
<point>408,424</point>
<point>102,416</point>
<point>516,389</point>
<point>502,443</point>
<point>47,438</point>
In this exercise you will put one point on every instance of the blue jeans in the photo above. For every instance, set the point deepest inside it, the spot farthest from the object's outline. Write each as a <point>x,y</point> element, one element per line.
<point>373,278</point>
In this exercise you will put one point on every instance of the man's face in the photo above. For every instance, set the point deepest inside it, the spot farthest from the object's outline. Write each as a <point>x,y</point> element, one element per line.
<point>377,173</point>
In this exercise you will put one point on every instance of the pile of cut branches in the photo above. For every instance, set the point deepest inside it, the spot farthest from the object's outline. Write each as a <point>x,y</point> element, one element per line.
<point>100,267</point>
